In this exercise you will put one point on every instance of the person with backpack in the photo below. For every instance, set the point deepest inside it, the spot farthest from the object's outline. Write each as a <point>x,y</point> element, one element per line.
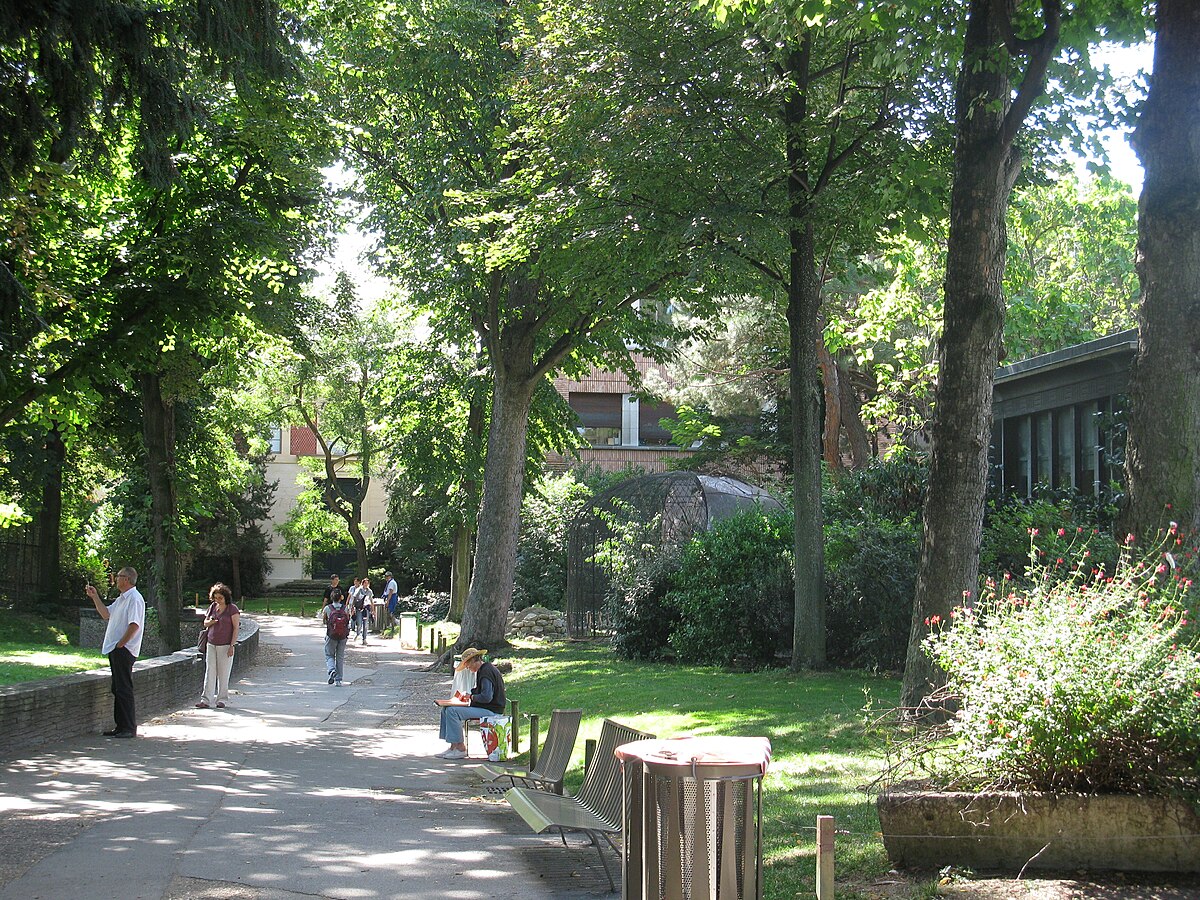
<point>337,631</point>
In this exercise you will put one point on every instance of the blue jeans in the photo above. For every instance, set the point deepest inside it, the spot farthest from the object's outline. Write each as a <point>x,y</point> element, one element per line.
<point>362,624</point>
<point>335,656</point>
<point>451,729</point>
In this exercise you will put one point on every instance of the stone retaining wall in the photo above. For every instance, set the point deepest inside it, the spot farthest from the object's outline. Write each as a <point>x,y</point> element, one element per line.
<point>91,630</point>
<point>37,713</point>
<point>537,622</point>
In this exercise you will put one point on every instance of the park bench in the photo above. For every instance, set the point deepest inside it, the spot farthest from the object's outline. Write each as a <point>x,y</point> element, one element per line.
<point>553,762</point>
<point>596,809</point>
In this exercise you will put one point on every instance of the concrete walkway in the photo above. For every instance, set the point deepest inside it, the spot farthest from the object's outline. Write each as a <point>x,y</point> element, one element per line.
<point>299,789</point>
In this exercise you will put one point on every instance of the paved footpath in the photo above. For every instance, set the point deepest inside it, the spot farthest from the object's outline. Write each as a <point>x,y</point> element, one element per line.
<point>299,789</point>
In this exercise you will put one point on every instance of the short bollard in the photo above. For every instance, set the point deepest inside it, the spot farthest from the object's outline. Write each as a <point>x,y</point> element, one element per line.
<point>433,642</point>
<point>420,635</point>
<point>824,857</point>
<point>515,727</point>
<point>533,742</point>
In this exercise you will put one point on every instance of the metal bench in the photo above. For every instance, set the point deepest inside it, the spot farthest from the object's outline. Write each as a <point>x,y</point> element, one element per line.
<point>596,809</point>
<point>555,757</point>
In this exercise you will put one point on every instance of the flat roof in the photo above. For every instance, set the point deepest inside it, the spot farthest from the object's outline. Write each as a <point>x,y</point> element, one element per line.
<point>1108,345</point>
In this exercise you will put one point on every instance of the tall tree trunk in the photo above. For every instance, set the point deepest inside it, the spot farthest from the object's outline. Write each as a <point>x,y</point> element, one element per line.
<point>48,575</point>
<point>158,429</point>
<point>460,561</point>
<point>852,423</point>
<point>235,565</point>
<point>490,595</point>
<point>460,570</point>
<point>1162,458</point>
<point>986,165</point>
<point>831,385</point>
<point>804,300</point>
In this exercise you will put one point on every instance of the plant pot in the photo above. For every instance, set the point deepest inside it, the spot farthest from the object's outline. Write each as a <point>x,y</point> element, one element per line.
<point>1012,831</point>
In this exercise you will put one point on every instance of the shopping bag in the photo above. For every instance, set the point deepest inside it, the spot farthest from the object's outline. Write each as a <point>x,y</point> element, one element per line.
<point>494,730</point>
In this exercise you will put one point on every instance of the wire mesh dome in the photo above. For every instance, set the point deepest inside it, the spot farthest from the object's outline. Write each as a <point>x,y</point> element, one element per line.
<point>652,512</point>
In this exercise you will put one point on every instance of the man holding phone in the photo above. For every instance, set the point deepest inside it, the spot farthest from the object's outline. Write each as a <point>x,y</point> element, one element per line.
<point>126,619</point>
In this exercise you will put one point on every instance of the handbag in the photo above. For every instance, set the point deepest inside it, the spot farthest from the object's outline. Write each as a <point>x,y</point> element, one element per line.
<point>202,642</point>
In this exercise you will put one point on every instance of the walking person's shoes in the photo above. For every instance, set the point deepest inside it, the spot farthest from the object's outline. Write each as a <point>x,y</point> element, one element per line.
<point>117,733</point>
<point>220,705</point>
<point>203,705</point>
<point>330,681</point>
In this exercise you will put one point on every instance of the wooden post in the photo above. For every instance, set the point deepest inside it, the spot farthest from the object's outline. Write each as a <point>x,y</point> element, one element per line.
<point>420,635</point>
<point>824,857</point>
<point>589,751</point>
<point>514,726</point>
<point>533,742</point>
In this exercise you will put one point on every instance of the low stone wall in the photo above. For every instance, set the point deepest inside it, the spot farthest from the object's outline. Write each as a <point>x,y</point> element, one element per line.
<point>91,630</point>
<point>1008,831</point>
<point>538,622</point>
<point>38,713</point>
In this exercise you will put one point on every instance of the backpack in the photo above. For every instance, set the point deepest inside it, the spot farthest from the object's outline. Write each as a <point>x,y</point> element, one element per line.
<point>337,625</point>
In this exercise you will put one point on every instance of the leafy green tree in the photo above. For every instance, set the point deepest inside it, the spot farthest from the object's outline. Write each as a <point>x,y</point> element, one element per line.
<point>1006,60</point>
<point>1162,459</point>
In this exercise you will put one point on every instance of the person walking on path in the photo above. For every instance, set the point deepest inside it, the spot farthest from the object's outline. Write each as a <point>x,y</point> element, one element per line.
<point>391,596</point>
<point>222,621</point>
<point>486,699</point>
<point>334,581</point>
<point>337,632</point>
<point>360,603</point>
<point>126,619</point>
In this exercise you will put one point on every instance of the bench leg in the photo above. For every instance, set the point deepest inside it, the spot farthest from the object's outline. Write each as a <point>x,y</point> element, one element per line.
<point>612,885</point>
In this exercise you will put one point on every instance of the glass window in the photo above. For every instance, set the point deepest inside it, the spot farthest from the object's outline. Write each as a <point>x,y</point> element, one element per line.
<point>650,433</point>
<point>1064,448</point>
<point>1045,445</point>
<point>1017,455</point>
<point>599,417</point>
<point>1089,449</point>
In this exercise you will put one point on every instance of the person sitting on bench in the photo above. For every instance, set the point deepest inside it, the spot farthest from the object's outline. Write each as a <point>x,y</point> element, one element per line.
<point>486,699</point>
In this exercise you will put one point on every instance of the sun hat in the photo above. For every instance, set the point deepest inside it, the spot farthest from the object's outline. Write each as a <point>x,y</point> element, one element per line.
<point>467,655</point>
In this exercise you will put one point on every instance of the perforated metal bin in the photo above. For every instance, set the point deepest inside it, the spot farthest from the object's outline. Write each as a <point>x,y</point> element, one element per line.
<point>693,818</point>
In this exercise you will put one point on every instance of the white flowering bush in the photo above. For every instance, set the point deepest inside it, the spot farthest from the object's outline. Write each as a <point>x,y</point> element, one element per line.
<point>1083,680</point>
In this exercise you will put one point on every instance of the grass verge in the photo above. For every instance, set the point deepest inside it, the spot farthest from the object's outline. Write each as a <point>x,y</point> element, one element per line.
<point>35,647</point>
<point>821,759</point>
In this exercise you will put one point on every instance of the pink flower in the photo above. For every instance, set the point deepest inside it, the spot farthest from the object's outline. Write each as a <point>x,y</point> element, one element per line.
<point>1061,532</point>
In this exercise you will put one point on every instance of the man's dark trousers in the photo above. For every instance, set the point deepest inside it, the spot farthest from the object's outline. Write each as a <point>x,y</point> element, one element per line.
<point>120,661</point>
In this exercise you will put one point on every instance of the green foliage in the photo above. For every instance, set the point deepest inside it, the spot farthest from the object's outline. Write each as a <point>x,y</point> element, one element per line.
<point>643,614</point>
<point>1083,683</point>
<point>733,590</point>
<point>546,514</point>
<point>1059,524</point>
<point>870,582</point>
<point>872,541</point>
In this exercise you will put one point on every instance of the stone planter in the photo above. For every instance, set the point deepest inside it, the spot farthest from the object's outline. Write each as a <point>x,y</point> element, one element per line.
<point>1011,831</point>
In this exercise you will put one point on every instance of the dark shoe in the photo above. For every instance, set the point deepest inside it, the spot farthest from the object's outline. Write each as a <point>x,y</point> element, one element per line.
<point>330,681</point>
<point>201,705</point>
<point>120,734</point>
<point>220,705</point>
<point>111,732</point>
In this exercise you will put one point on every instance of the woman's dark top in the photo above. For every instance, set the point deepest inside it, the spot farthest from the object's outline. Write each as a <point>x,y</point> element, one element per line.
<point>489,689</point>
<point>220,632</point>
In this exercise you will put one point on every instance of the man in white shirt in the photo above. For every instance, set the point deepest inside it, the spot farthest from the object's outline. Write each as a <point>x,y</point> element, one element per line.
<point>391,594</point>
<point>126,619</point>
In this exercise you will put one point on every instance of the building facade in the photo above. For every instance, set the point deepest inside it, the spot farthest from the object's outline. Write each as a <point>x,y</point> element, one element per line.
<point>1054,417</point>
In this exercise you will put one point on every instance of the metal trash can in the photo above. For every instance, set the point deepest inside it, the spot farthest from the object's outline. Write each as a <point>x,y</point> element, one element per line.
<point>693,818</point>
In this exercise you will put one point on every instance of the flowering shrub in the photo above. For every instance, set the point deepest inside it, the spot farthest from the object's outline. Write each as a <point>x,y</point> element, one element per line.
<point>1085,683</point>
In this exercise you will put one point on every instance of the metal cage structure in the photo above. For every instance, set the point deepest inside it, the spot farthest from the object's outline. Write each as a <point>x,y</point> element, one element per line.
<point>667,509</point>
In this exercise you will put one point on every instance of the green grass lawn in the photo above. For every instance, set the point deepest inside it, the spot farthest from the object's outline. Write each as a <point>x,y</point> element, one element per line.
<point>35,647</point>
<point>282,606</point>
<point>821,758</point>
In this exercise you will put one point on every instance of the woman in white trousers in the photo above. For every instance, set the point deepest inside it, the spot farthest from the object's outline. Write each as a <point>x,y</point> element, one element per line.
<point>222,621</point>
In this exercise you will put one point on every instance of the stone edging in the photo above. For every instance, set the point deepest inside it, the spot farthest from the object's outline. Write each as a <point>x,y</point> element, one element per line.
<point>37,713</point>
<point>1009,831</point>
